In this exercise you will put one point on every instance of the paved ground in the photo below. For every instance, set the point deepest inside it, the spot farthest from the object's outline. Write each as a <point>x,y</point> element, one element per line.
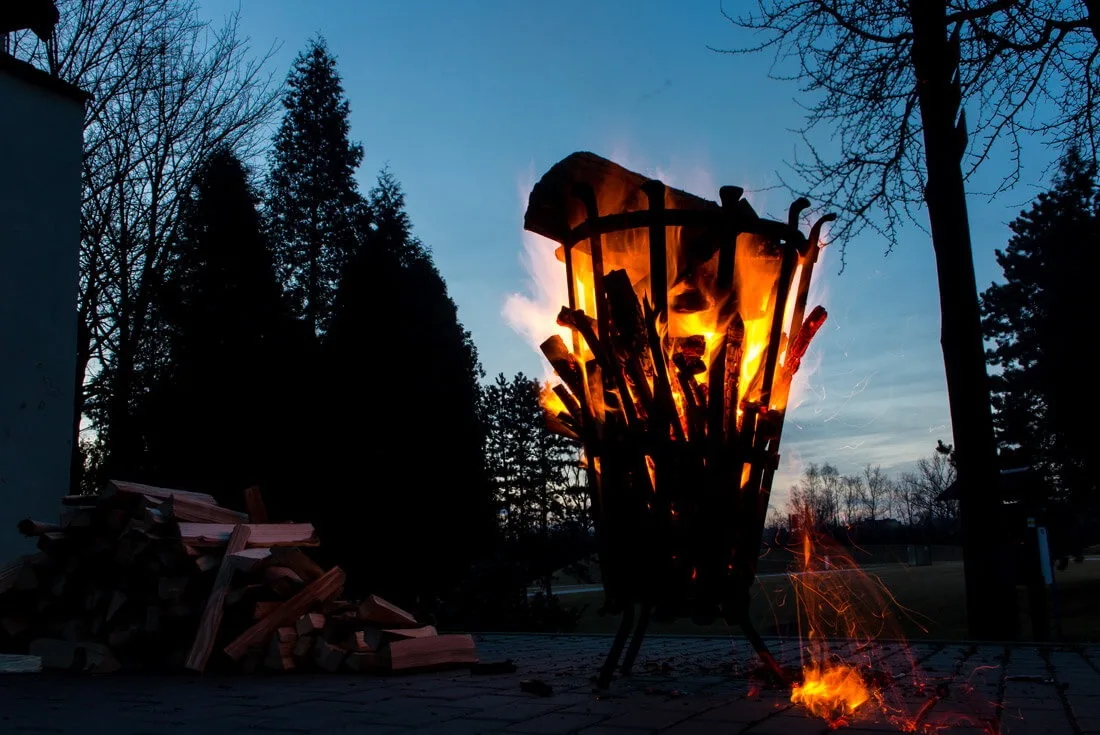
<point>685,686</point>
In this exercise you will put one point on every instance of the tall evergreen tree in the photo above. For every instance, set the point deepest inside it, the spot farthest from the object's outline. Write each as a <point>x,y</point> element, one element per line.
<point>313,202</point>
<point>406,446</point>
<point>213,410</point>
<point>1041,323</point>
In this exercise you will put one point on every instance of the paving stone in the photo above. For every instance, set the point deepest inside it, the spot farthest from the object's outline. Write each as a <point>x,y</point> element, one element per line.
<point>554,722</point>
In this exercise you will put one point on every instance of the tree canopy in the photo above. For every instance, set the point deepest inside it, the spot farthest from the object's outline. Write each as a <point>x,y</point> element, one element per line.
<point>1039,320</point>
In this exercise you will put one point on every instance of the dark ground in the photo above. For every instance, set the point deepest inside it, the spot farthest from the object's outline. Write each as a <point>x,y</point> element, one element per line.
<point>685,686</point>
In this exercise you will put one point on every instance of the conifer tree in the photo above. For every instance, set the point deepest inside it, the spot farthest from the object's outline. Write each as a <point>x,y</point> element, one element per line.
<point>415,505</point>
<point>213,412</point>
<point>313,202</point>
<point>1041,323</point>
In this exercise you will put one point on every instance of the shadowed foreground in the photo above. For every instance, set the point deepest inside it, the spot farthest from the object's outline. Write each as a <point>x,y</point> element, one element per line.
<point>684,686</point>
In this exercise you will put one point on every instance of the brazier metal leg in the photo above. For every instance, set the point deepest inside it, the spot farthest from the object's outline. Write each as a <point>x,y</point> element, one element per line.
<point>616,648</point>
<point>762,651</point>
<point>636,639</point>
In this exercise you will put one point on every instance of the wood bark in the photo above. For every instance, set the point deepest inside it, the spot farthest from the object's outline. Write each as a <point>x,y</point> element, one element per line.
<point>990,593</point>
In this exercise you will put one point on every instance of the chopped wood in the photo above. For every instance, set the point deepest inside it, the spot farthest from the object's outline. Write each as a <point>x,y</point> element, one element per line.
<point>265,608</point>
<point>363,641</point>
<point>426,632</point>
<point>69,656</point>
<point>183,508</point>
<point>29,527</point>
<point>77,518</point>
<point>261,534</point>
<point>303,647</point>
<point>319,590</point>
<point>436,651</point>
<point>310,623</point>
<point>14,664</point>
<point>277,576</point>
<point>247,560</point>
<point>212,615</point>
<point>207,562</point>
<point>136,489</point>
<point>297,560</point>
<point>82,501</point>
<point>328,656</point>
<point>254,504</point>
<point>376,610</point>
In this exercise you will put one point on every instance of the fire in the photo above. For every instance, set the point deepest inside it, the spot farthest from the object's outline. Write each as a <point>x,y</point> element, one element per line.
<point>831,692</point>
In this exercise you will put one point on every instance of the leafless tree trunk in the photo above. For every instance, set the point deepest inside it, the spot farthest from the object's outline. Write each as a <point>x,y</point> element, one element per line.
<point>876,491</point>
<point>935,57</point>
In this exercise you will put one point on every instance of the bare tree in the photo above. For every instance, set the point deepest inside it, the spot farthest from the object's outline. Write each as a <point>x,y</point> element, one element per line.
<point>903,493</point>
<point>853,493</point>
<point>876,491</point>
<point>167,89</point>
<point>893,83</point>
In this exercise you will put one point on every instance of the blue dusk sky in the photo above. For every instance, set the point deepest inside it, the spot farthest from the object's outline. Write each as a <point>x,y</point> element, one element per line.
<point>470,102</point>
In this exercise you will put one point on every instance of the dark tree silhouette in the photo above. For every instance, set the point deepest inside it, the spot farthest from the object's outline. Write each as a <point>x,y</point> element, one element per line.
<point>541,505</point>
<point>1037,320</point>
<point>410,506</point>
<point>214,412</point>
<point>313,202</point>
<point>167,88</point>
<point>891,81</point>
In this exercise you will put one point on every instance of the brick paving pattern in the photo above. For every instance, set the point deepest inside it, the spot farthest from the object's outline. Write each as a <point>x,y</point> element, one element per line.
<point>683,686</point>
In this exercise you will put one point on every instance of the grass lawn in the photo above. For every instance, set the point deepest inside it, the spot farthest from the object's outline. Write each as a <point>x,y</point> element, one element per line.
<point>934,595</point>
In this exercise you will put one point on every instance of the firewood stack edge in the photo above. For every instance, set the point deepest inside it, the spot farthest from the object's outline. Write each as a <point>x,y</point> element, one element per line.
<point>141,577</point>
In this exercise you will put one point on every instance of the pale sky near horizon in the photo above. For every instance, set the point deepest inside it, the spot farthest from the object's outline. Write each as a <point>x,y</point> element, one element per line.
<point>469,103</point>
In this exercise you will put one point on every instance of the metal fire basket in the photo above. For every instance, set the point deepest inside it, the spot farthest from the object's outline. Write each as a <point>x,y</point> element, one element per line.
<point>684,326</point>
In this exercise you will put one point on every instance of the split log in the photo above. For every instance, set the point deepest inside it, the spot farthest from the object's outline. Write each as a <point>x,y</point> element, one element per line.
<point>29,527</point>
<point>376,610</point>
<point>282,581</point>
<point>80,501</point>
<point>436,651</point>
<point>296,560</point>
<point>310,623</point>
<point>264,608</point>
<point>207,562</point>
<point>183,508</point>
<point>247,560</point>
<point>564,363</point>
<point>324,588</point>
<point>363,641</point>
<point>68,656</point>
<point>303,647</point>
<point>261,534</point>
<point>328,656</point>
<point>212,615</point>
<point>172,588</point>
<point>426,632</point>
<point>734,354</point>
<point>137,490</point>
<point>254,504</point>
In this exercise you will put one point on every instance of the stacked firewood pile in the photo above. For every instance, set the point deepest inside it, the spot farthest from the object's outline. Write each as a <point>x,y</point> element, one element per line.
<point>151,578</point>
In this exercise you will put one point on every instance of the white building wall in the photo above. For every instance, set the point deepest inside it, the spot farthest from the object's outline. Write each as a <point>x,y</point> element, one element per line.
<point>40,161</point>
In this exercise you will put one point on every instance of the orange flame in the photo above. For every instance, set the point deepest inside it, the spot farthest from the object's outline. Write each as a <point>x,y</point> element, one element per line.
<point>831,692</point>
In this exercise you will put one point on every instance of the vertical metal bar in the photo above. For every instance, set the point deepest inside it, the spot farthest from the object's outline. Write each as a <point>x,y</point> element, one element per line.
<point>727,249</point>
<point>658,263</point>
<point>587,197</point>
<point>782,291</point>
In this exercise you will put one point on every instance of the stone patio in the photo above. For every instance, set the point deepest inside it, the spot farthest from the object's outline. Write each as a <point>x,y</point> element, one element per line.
<point>684,686</point>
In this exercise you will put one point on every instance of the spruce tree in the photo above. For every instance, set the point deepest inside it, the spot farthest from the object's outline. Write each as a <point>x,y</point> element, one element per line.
<point>1041,323</point>
<point>415,506</point>
<point>313,203</point>
<point>212,415</point>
